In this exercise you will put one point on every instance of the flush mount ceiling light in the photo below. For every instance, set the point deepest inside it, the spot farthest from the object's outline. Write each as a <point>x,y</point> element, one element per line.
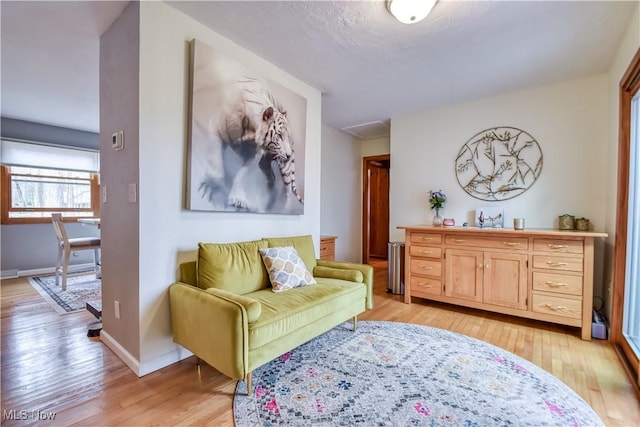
<point>410,11</point>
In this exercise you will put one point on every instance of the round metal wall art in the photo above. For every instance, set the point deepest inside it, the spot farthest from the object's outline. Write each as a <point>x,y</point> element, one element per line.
<point>499,163</point>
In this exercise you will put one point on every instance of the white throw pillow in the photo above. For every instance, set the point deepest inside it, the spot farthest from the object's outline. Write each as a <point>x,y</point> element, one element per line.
<point>286,269</point>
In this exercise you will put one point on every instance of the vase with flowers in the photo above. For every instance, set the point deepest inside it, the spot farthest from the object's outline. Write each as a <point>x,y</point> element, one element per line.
<point>437,200</point>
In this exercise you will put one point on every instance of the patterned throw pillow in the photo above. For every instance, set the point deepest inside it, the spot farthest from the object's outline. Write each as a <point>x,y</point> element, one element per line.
<point>286,269</point>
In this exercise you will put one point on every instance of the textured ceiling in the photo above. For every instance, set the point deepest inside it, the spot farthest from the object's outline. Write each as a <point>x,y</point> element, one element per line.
<point>368,66</point>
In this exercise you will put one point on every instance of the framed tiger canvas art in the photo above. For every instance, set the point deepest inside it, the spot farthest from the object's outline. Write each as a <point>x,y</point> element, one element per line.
<point>246,138</point>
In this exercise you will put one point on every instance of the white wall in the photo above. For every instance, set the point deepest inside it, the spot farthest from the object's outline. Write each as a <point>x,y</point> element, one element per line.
<point>374,147</point>
<point>341,208</point>
<point>627,48</point>
<point>168,233</point>
<point>569,121</point>
<point>341,193</point>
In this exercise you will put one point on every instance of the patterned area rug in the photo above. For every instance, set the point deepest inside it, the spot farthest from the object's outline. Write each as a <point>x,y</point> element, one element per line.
<point>80,289</point>
<point>397,374</point>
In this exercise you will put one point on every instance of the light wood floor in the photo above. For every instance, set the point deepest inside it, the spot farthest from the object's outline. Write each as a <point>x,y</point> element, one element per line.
<point>49,365</point>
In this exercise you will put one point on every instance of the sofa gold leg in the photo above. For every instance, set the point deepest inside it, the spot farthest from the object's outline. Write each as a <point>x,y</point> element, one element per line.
<point>198,365</point>
<point>248,381</point>
<point>355,323</point>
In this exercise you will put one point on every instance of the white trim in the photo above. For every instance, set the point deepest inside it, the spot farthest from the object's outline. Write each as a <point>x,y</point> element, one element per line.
<point>9,274</point>
<point>166,359</point>
<point>121,352</point>
<point>51,270</point>
<point>143,368</point>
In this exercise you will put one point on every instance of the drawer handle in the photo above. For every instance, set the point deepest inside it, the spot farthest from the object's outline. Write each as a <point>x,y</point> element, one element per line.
<point>511,244</point>
<point>556,284</point>
<point>552,246</point>
<point>425,285</point>
<point>423,252</point>
<point>556,264</point>
<point>555,307</point>
<point>323,249</point>
<point>458,240</point>
<point>426,239</point>
<point>425,267</point>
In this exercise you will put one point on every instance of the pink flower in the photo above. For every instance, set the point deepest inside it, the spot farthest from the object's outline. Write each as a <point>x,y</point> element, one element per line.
<point>272,406</point>
<point>260,391</point>
<point>421,409</point>
<point>318,406</point>
<point>285,357</point>
<point>553,408</point>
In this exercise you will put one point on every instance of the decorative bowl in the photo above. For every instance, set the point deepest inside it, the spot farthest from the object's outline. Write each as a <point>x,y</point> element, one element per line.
<point>449,222</point>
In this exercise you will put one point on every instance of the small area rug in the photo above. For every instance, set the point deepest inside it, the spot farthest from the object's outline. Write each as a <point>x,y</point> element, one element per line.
<point>398,374</point>
<point>80,289</point>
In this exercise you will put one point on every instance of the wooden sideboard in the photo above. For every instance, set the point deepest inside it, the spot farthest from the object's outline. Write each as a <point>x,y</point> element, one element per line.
<point>328,247</point>
<point>538,274</point>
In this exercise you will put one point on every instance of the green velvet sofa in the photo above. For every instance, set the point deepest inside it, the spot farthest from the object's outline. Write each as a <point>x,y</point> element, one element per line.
<point>224,311</point>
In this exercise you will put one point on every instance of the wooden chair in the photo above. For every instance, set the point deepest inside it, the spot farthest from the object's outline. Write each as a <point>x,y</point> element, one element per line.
<point>67,245</point>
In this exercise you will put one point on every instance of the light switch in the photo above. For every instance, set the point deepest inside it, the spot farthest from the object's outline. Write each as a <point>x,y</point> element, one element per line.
<point>117,140</point>
<point>133,193</point>
<point>104,194</point>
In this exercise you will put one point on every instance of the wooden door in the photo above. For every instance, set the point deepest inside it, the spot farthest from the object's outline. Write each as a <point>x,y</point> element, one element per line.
<point>464,274</point>
<point>375,207</point>
<point>379,212</point>
<point>505,280</point>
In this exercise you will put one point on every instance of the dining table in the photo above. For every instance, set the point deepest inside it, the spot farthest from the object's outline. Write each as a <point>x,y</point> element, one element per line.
<point>90,221</point>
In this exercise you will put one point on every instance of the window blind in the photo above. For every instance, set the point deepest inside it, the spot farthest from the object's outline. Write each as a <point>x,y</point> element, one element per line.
<point>21,153</point>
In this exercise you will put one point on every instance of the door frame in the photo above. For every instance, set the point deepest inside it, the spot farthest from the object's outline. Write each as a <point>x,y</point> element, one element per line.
<point>366,183</point>
<point>629,86</point>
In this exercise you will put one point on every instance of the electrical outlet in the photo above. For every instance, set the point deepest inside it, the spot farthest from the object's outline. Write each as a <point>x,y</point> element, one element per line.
<point>117,140</point>
<point>116,306</point>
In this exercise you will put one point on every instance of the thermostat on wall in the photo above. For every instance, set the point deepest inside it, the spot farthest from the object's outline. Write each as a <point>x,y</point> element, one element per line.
<point>117,140</point>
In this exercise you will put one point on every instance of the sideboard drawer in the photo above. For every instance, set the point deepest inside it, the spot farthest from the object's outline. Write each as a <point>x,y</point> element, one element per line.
<point>507,242</point>
<point>426,285</point>
<point>426,238</point>
<point>558,283</point>
<point>557,263</point>
<point>558,306</point>
<point>426,251</point>
<point>558,245</point>
<point>430,268</point>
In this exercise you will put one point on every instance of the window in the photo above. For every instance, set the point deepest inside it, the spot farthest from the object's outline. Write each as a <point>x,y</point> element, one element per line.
<point>38,180</point>
<point>631,316</point>
<point>625,308</point>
